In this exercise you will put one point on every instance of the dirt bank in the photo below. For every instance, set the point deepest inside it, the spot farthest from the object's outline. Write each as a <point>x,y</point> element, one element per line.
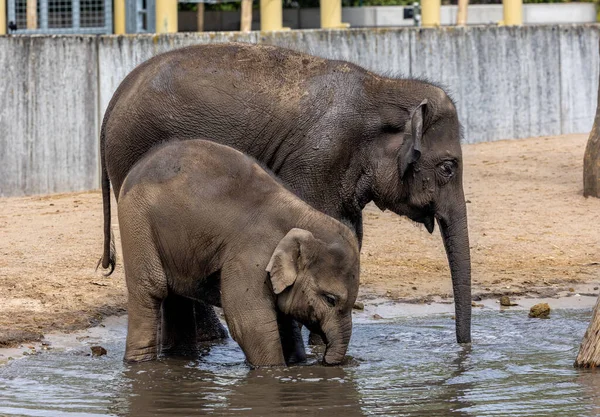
<point>531,232</point>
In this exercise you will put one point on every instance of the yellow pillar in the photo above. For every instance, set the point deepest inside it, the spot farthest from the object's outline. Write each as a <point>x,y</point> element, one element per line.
<point>461,14</point>
<point>32,17</point>
<point>431,11</point>
<point>119,17</point>
<point>271,15</point>
<point>513,12</point>
<point>2,17</point>
<point>331,14</point>
<point>166,16</point>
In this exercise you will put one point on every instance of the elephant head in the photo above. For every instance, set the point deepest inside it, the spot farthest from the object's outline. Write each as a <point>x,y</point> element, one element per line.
<point>316,283</point>
<point>417,172</point>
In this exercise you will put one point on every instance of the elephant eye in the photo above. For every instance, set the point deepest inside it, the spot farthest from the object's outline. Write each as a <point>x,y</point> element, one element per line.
<point>447,168</point>
<point>393,129</point>
<point>331,300</point>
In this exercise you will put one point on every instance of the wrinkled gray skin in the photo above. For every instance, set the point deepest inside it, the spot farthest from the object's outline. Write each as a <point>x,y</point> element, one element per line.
<point>336,134</point>
<point>204,221</point>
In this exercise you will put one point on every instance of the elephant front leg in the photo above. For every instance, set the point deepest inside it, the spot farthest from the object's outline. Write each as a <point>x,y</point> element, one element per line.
<point>251,315</point>
<point>290,333</point>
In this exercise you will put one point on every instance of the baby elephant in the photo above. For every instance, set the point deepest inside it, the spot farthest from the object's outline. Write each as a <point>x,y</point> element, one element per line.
<point>206,222</point>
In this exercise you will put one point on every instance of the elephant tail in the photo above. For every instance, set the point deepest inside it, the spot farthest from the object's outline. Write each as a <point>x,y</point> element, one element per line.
<point>109,257</point>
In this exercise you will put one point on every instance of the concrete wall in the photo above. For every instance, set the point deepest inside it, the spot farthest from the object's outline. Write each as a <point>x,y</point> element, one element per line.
<point>49,114</point>
<point>507,82</point>
<point>393,16</point>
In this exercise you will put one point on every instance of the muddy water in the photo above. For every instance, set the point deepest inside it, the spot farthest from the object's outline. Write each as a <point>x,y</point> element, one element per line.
<point>405,366</point>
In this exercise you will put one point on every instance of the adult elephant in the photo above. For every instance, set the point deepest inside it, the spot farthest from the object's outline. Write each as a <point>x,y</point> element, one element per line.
<point>338,135</point>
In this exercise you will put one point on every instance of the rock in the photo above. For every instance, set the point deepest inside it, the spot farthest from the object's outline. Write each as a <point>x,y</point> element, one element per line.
<point>414,288</point>
<point>571,289</point>
<point>474,304</point>
<point>377,317</point>
<point>476,298</point>
<point>358,306</point>
<point>98,351</point>
<point>595,288</point>
<point>505,301</point>
<point>541,310</point>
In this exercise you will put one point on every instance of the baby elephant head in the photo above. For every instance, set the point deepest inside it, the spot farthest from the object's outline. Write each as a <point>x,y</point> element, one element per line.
<point>316,283</point>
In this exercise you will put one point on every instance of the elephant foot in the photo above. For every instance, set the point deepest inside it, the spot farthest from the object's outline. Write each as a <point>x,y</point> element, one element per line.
<point>295,358</point>
<point>140,355</point>
<point>186,324</point>
<point>208,326</point>
<point>315,340</point>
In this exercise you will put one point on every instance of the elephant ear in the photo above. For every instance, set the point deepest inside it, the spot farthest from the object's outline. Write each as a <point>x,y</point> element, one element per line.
<point>411,148</point>
<point>285,261</point>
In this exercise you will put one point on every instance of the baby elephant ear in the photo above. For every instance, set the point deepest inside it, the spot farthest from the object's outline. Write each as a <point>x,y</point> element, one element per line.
<point>284,264</point>
<point>411,149</point>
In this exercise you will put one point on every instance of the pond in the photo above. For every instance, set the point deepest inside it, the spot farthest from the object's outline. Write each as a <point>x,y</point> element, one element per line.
<point>408,366</point>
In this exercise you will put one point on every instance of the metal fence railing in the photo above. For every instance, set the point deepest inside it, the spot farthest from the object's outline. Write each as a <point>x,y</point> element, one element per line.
<point>60,16</point>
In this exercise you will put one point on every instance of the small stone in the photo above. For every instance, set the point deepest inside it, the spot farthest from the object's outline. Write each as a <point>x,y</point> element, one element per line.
<point>595,288</point>
<point>377,317</point>
<point>98,351</point>
<point>474,304</point>
<point>476,298</point>
<point>505,301</point>
<point>541,310</point>
<point>414,288</point>
<point>571,289</point>
<point>359,306</point>
<point>453,318</point>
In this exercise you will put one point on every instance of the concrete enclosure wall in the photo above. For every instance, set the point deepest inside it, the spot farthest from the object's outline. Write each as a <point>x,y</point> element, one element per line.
<point>49,114</point>
<point>507,83</point>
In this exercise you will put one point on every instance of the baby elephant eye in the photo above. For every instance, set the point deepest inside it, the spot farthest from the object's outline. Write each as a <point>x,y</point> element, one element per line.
<point>447,168</point>
<point>331,300</point>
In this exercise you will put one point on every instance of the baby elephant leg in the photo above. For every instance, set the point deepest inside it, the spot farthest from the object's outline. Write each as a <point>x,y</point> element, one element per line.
<point>146,289</point>
<point>142,328</point>
<point>250,313</point>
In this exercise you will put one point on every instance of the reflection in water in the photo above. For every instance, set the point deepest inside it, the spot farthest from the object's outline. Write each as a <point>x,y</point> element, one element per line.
<point>185,389</point>
<point>411,367</point>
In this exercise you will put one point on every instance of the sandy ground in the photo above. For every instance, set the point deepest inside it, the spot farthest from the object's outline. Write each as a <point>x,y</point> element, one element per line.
<point>532,233</point>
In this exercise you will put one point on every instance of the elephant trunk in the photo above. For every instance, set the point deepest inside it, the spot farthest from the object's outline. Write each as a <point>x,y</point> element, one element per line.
<point>337,334</point>
<point>455,235</point>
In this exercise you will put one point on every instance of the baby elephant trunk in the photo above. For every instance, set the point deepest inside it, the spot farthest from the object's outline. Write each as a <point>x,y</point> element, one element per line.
<point>337,334</point>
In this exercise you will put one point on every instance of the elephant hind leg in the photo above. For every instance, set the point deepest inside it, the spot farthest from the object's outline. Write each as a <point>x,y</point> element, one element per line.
<point>146,287</point>
<point>142,329</point>
<point>186,323</point>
